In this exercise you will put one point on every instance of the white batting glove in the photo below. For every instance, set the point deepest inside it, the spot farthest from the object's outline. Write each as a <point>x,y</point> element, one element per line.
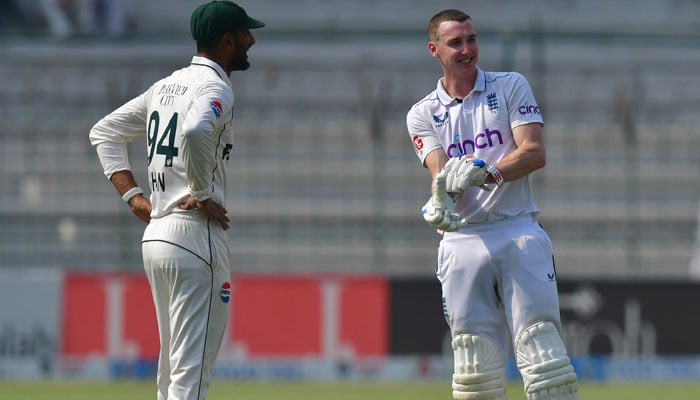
<point>439,211</point>
<point>464,172</point>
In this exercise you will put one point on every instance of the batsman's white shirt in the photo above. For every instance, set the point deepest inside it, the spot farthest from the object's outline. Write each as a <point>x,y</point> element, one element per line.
<point>481,124</point>
<point>497,272</point>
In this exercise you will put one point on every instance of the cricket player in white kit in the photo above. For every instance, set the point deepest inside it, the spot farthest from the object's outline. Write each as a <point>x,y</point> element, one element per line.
<point>188,120</point>
<point>480,134</point>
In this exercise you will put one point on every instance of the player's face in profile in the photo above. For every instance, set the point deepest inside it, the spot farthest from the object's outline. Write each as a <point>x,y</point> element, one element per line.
<point>457,47</point>
<point>239,59</point>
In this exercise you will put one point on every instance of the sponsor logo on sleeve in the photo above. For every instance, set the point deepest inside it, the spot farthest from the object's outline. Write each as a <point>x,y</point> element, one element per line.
<point>218,109</point>
<point>417,143</point>
<point>527,109</point>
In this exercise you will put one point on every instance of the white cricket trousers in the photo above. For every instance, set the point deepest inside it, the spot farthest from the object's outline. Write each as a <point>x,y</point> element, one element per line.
<point>496,276</point>
<point>186,260</point>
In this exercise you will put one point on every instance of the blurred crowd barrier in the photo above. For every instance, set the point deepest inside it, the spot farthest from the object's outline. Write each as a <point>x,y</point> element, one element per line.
<point>323,177</point>
<point>370,327</point>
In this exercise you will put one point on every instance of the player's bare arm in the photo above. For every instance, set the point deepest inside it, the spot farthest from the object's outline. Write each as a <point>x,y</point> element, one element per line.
<point>140,206</point>
<point>435,161</point>
<point>527,158</point>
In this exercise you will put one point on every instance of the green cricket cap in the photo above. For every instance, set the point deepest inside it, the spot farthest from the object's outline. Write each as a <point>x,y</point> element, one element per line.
<point>213,19</point>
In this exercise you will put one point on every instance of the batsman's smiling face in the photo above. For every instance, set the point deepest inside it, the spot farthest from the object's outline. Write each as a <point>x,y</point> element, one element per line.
<point>456,48</point>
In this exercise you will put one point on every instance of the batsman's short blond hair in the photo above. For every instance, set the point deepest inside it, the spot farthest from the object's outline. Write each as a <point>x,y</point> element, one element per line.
<point>442,16</point>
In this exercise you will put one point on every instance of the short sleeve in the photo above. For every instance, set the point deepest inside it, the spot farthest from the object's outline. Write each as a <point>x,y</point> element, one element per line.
<point>421,131</point>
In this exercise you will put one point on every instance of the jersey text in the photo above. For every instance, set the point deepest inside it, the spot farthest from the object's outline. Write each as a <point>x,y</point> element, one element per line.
<point>157,181</point>
<point>481,141</point>
<point>173,88</point>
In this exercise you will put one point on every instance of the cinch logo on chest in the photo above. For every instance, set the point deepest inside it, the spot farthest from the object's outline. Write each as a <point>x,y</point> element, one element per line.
<point>489,138</point>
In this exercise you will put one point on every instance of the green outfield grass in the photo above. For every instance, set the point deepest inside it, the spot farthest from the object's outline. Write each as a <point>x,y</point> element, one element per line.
<point>332,391</point>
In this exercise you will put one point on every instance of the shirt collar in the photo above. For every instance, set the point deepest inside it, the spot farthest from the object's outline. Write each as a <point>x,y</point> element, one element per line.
<point>197,60</point>
<point>479,86</point>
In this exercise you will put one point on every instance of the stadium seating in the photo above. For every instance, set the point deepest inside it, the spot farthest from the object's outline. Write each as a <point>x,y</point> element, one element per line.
<point>323,177</point>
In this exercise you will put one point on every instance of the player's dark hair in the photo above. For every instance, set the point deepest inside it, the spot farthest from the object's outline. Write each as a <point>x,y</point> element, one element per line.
<point>207,46</point>
<point>210,45</point>
<point>442,16</point>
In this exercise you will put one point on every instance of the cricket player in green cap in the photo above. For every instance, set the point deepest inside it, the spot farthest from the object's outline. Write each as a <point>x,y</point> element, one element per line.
<point>188,120</point>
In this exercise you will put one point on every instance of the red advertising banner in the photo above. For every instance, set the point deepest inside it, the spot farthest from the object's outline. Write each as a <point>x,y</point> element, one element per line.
<point>109,315</point>
<point>112,316</point>
<point>103,325</point>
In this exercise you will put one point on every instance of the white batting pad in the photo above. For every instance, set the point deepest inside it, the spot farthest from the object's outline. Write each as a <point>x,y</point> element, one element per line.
<point>479,369</point>
<point>544,365</point>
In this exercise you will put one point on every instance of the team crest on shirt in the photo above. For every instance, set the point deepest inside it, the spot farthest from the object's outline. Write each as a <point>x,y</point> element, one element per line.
<point>225,292</point>
<point>440,121</point>
<point>217,108</point>
<point>492,102</point>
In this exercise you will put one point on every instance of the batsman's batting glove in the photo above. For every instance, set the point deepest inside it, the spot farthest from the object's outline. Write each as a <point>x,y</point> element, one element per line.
<point>464,172</point>
<point>439,211</point>
<point>467,171</point>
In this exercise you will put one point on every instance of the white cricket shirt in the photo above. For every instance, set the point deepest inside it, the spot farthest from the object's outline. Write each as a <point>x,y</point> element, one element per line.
<point>481,124</point>
<point>187,118</point>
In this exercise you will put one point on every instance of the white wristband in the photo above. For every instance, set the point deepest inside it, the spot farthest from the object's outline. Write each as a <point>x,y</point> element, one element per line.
<point>495,173</point>
<point>129,194</point>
